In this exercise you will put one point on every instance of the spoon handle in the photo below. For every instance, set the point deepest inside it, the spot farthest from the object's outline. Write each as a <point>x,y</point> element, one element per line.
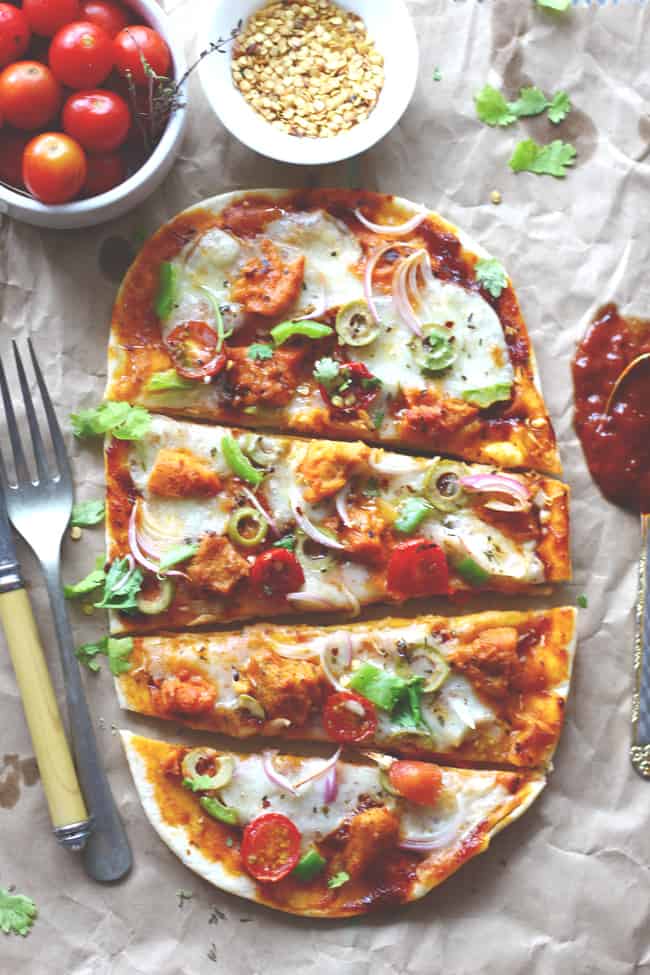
<point>640,749</point>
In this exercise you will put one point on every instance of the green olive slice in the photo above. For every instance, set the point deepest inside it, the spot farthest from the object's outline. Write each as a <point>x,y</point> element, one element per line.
<point>355,324</point>
<point>435,351</point>
<point>442,485</point>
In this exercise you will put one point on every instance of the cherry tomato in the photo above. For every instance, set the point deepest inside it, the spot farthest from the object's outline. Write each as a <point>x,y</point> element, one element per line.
<point>419,782</point>
<point>54,167</point>
<point>81,55</point>
<point>348,717</point>
<point>15,34</point>
<point>134,43</point>
<point>193,347</point>
<point>12,148</point>
<point>355,388</point>
<point>47,16</point>
<point>30,95</point>
<point>105,171</point>
<point>111,17</point>
<point>418,568</point>
<point>270,847</point>
<point>99,120</point>
<point>277,572</point>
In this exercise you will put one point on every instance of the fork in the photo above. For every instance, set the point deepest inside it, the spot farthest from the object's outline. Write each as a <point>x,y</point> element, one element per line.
<point>39,510</point>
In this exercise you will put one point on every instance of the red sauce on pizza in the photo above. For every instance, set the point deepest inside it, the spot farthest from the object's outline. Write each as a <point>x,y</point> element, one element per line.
<point>616,444</point>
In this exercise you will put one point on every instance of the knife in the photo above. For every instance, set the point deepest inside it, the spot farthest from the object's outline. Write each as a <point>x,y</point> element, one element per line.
<point>68,813</point>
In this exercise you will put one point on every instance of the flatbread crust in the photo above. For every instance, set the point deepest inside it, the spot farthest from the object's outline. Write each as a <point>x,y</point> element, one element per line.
<point>516,701</point>
<point>211,849</point>
<point>517,433</point>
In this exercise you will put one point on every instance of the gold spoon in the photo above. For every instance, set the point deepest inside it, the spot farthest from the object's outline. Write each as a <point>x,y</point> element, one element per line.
<point>640,747</point>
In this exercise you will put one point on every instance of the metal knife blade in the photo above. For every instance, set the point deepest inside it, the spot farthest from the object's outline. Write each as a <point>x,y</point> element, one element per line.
<point>10,577</point>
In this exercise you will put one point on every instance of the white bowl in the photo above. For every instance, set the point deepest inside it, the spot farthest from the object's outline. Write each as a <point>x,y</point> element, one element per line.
<point>390,27</point>
<point>114,203</point>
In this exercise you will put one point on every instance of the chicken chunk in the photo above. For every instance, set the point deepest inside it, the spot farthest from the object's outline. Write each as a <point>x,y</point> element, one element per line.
<point>268,286</point>
<point>326,467</point>
<point>181,474</point>
<point>217,566</point>
<point>372,832</point>
<point>285,688</point>
<point>363,539</point>
<point>187,694</point>
<point>431,415</point>
<point>490,661</point>
<point>270,382</point>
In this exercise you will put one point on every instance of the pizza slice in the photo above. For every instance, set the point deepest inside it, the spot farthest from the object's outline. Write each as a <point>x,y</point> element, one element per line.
<point>488,688</point>
<point>346,314</point>
<point>323,838</point>
<point>213,524</point>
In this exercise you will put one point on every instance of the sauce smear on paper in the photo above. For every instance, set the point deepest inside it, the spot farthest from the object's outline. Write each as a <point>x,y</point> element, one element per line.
<point>616,444</point>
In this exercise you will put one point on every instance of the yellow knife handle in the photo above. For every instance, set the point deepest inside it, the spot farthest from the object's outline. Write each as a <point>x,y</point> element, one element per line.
<point>55,764</point>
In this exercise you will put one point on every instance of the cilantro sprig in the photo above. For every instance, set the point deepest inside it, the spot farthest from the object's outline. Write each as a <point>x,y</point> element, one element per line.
<point>17,913</point>
<point>493,109</point>
<point>492,275</point>
<point>544,160</point>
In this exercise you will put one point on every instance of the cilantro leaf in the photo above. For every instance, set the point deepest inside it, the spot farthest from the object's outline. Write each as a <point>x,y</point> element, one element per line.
<point>559,108</point>
<point>582,601</point>
<point>169,379</point>
<point>120,419</point>
<point>492,108</point>
<point>548,160</point>
<point>87,513</point>
<point>378,418</point>
<point>554,4</point>
<point>121,587</point>
<point>338,879</point>
<point>326,372</point>
<point>408,713</point>
<point>287,541</point>
<point>17,913</point>
<point>259,350</point>
<point>492,275</point>
<point>437,75</point>
<point>379,686</point>
<point>531,101</point>
<point>201,783</point>
<point>179,553</point>
<point>118,651</point>
<point>92,581</point>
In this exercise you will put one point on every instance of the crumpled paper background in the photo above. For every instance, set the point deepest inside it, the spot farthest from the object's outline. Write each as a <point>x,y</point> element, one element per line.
<point>564,890</point>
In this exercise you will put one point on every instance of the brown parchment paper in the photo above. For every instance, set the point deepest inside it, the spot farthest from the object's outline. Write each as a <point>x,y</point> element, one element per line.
<point>566,889</point>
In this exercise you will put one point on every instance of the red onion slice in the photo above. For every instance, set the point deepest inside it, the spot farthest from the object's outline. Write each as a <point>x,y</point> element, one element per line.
<point>371,264</point>
<point>392,229</point>
<point>331,786</point>
<point>125,578</point>
<point>394,464</point>
<point>447,832</point>
<point>326,767</point>
<point>500,484</point>
<point>297,501</point>
<point>341,505</point>
<point>259,508</point>
<point>137,547</point>
<point>326,667</point>
<point>274,776</point>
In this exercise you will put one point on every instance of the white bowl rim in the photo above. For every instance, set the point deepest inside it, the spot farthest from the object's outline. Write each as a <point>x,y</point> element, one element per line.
<point>307,151</point>
<point>158,18</point>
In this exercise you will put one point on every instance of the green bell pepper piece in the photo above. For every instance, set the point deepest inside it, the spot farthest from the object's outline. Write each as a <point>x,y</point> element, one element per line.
<point>311,330</point>
<point>309,865</point>
<point>167,287</point>
<point>471,571</point>
<point>216,809</point>
<point>488,395</point>
<point>412,513</point>
<point>239,463</point>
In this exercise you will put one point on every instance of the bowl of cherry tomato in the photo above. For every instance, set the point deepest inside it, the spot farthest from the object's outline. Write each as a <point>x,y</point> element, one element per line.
<point>91,112</point>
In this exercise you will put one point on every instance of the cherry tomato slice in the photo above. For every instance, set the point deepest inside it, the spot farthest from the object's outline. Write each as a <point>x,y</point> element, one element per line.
<point>418,568</point>
<point>135,43</point>
<point>15,34</point>
<point>270,847</point>
<point>356,389</point>
<point>81,55</point>
<point>419,782</point>
<point>193,347</point>
<point>349,717</point>
<point>277,572</point>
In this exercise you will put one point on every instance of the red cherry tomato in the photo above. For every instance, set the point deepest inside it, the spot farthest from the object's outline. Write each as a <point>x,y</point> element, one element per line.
<point>81,55</point>
<point>277,572</point>
<point>270,847</point>
<point>111,17</point>
<point>348,717</point>
<point>99,120</point>
<point>193,347</point>
<point>418,568</point>
<point>419,782</point>
<point>355,389</point>
<point>15,34</point>
<point>134,43</point>
<point>12,148</point>
<point>47,16</point>
<point>105,171</point>
<point>54,167</point>
<point>30,95</point>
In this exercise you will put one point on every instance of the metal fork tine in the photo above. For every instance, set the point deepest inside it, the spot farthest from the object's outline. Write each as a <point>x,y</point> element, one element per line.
<point>37,441</point>
<point>55,430</point>
<point>4,480</point>
<point>22,474</point>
